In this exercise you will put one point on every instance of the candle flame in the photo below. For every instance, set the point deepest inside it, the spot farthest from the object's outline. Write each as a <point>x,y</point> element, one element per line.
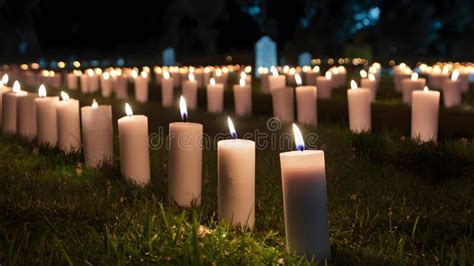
<point>414,76</point>
<point>5,79</point>
<point>328,75</point>
<point>243,75</point>
<point>16,86</point>
<point>144,74</point>
<point>274,72</point>
<point>134,73</point>
<point>90,72</point>
<point>218,72</point>
<point>42,91</point>
<point>425,89</point>
<point>64,96</point>
<point>242,82</point>
<point>363,74</point>
<point>354,85</point>
<point>106,75</point>
<point>191,77</point>
<point>316,69</point>
<point>128,110</point>
<point>95,104</point>
<point>298,138</point>
<point>166,75</point>
<point>298,79</point>
<point>212,81</point>
<point>455,75</point>
<point>183,108</point>
<point>371,77</point>
<point>232,131</point>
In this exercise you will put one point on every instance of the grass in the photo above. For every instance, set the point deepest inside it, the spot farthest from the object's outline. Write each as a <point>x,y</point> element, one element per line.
<point>389,202</point>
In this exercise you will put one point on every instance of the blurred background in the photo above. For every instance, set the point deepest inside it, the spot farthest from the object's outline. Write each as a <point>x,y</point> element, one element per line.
<point>210,29</point>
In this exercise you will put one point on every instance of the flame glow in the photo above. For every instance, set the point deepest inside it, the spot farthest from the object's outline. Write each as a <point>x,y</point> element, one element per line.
<point>128,110</point>
<point>328,75</point>
<point>183,108</point>
<point>371,77</point>
<point>274,72</point>
<point>298,138</point>
<point>64,96</point>
<point>414,76</point>
<point>212,81</point>
<point>363,74</point>
<point>425,89</point>
<point>455,75</point>
<point>298,79</point>
<point>191,77</point>
<point>42,91</point>
<point>95,105</point>
<point>232,131</point>
<point>144,74</point>
<point>16,86</point>
<point>242,82</point>
<point>5,79</point>
<point>166,75</point>
<point>354,85</point>
<point>106,75</point>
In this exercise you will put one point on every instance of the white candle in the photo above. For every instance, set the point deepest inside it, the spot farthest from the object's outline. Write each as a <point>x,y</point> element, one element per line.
<point>215,97</point>
<point>359,108</point>
<point>10,109</point>
<point>185,161</point>
<point>370,83</point>
<point>167,89</point>
<point>236,180</point>
<point>310,76</point>
<point>1,103</point>
<point>412,84</point>
<point>305,205</point>
<point>264,82</point>
<point>452,90</point>
<point>93,81</point>
<point>27,116</point>
<point>46,118</point>
<point>141,87</point>
<point>134,152</point>
<point>190,88</point>
<point>325,85</point>
<point>276,81</point>
<point>121,87</point>
<point>436,79</point>
<point>283,104</point>
<point>72,81</point>
<point>424,115</point>
<point>106,84</point>
<point>98,134</point>
<point>242,98</point>
<point>69,128</point>
<point>306,98</point>
<point>84,83</point>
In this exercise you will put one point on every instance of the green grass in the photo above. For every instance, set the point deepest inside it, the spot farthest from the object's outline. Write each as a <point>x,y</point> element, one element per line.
<point>386,206</point>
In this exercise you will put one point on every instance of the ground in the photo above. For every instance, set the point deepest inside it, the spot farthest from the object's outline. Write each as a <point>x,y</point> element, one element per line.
<point>391,201</point>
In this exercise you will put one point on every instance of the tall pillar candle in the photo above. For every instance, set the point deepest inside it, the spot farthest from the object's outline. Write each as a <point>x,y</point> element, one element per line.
<point>412,84</point>
<point>69,128</point>
<point>306,99</point>
<point>283,104</point>
<point>359,108</point>
<point>242,98</point>
<point>72,81</point>
<point>97,134</point>
<point>27,116</point>
<point>236,180</point>
<point>424,115</point>
<point>305,204</point>
<point>215,97</point>
<point>106,85</point>
<point>436,79</point>
<point>264,82</point>
<point>324,85</point>
<point>10,109</point>
<point>121,87</point>
<point>370,83</point>
<point>167,90</point>
<point>190,90</point>
<point>276,81</point>
<point>94,84</point>
<point>452,90</point>
<point>84,83</point>
<point>141,87</point>
<point>185,161</point>
<point>134,151</point>
<point>46,118</point>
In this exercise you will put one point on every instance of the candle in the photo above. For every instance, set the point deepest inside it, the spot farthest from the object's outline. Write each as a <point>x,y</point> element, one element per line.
<point>215,97</point>
<point>93,81</point>
<point>359,108</point>
<point>311,75</point>
<point>452,90</point>
<point>242,98</point>
<point>264,82</point>
<point>97,133</point>
<point>305,205</point>
<point>69,128</point>
<point>412,84</point>
<point>324,85</point>
<point>134,154</point>
<point>370,83</point>
<point>339,76</point>
<point>236,180</point>
<point>167,86</point>
<point>400,73</point>
<point>10,103</point>
<point>424,115</point>
<point>185,161</point>
<point>276,81</point>
<point>437,77</point>
<point>46,118</point>
<point>220,77</point>
<point>141,86</point>
<point>72,81</point>
<point>84,83</point>
<point>121,86</point>
<point>306,102</point>
<point>283,104</point>
<point>190,88</point>
<point>106,84</point>
<point>27,116</point>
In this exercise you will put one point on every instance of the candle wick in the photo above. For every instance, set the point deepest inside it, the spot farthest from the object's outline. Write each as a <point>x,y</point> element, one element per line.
<point>185,117</point>
<point>300,147</point>
<point>234,135</point>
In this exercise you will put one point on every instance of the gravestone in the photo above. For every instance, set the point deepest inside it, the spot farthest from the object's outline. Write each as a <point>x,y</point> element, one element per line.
<point>265,53</point>
<point>168,57</point>
<point>304,59</point>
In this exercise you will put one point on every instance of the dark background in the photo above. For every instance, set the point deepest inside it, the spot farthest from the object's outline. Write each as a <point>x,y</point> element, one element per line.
<point>30,29</point>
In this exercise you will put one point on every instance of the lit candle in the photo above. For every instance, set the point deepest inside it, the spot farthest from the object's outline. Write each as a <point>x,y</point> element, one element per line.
<point>264,75</point>
<point>69,128</point>
<point>185,161</point>
<point>121,86</point>
<point>306,98</point>
<point>1,103</point>
<point>220,77</point>
<point>97,133</point>
<point>311,75</point>
<point>134,152</point>
<point>452,90</point>
<point>424,115</point>
<point>276,81</point>
<point>167,87</point>
<point>283,104</point>
<point>84,83</point>
<point>370,83</point>
<point>437,77</point>
<point>5,88</point>
<point>305,205</point>
<point>72,80</point>
<point>359,108</point>
<point>400,73</point>
<point>141,86</point>
<point>215,97</point>
<point>236,180</point>
<point>324,85</point>
<point>242,98</point>
<point>27,116</point>
<point>190,88</point>
<point>412,84</point>
<point>93,81</point>
<point>46,118</point>
<point>106,84</point>
<point>10,108</point>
